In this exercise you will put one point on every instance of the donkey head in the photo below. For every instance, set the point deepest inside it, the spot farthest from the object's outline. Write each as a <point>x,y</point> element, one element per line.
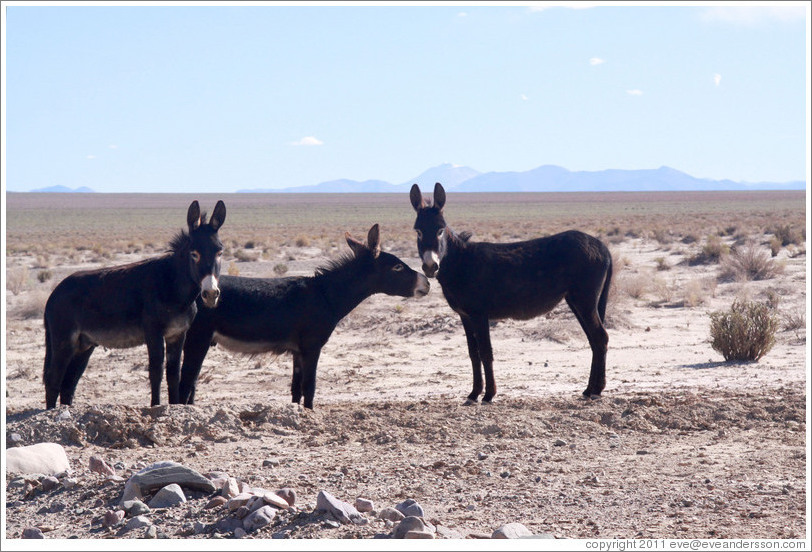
<point>389,274</point>
<point>430,227</point>
<point>205,250</point>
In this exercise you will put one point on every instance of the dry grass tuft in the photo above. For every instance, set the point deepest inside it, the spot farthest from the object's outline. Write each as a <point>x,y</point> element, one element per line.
<point>745,332</point>
<point>748,263</point>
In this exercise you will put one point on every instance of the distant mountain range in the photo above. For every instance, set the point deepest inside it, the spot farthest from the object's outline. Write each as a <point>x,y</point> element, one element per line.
<point>64,190</point>
<point>547,178</point>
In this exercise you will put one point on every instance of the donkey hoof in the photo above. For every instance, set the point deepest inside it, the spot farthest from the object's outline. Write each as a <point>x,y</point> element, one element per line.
<point>487,402</point>
<point>469,402</point>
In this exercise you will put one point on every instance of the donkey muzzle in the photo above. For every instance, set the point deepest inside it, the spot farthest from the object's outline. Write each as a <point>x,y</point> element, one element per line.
<point>210,291</point>
<point>431,263</point>
<point>422,286</point>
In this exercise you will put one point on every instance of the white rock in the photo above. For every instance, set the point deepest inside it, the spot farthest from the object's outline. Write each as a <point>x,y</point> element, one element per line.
<point>238,501</point>
<point>161,474</point>
<point>47,458</point>
<point>342,511</point>
<point>511,531</point>
<point>167,497</point>
<point>364,505</point>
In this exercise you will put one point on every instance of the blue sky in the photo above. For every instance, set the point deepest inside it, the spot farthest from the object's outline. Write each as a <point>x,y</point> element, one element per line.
<point>155,98</point>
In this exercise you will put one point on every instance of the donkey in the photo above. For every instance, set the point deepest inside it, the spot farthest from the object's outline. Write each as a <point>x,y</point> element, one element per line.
<point>485,281</point>
<point>295,314</point>
<point>151,301</point>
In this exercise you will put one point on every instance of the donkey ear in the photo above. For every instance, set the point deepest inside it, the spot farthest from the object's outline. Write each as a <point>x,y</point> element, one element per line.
<point>416,197</point>
<point>374,240</point>
<point>356,246</point>
<point>439,195</point>
<point>193,215</point>
<point>218,217</point>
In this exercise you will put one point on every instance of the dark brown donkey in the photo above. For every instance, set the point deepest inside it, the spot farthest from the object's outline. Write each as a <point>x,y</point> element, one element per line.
<point>484,281</point>
<point>150,302</point>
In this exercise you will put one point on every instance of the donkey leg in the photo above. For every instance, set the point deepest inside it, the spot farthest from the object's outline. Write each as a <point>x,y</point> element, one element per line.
<point>310,361</point>
<point>483,337</point>
<point>296,379</point>
<point>173,352</point>
<point>56,365</point>
<point>195,346</point>
<point>75,369</point>
<point>155,352</point>
<point>587,314</point>
<point>476,363</point>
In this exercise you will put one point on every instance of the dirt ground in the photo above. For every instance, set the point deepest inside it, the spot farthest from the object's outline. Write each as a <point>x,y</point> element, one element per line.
<point>681,445</point>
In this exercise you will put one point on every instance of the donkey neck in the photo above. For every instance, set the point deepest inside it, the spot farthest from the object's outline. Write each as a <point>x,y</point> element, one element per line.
<point>184,285</point>
<point>345,285</point>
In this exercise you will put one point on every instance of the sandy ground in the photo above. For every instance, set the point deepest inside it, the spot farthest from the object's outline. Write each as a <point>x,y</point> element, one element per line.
<point>682,444</point>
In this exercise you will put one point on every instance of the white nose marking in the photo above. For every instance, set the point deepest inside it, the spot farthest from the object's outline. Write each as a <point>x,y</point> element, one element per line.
<point>209,284</point>
<point>431,258</point>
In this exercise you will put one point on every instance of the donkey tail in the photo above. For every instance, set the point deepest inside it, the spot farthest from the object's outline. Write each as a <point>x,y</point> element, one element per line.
<point>604,298</point>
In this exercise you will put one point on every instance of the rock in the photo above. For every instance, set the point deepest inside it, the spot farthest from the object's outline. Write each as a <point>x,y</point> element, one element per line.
<point>270,462</point>
<point>134,508</point>
<point>112,517</point>
<point>410,524</point>
<point>98,465</point>
<point>15,439</point>
<point>70,482</point>
<point>481,456</point>
<point>559,443</point>
<point>342,511</point>
<point>239,533</point>
<point>410,507</point>
<point>63,416</point>
<point>288,494</point>
<point>228,525</point>
<point>161,474</point>
<point>49,483</point>
<point>151,532</point>
<point>239,501</point>
<point>167,497</point>
<point>32,533</point>
<point>511,531</point>
<point>47,458</point>
<point>137,523</point>
<point>215,502</point>
<point>364,505</point>
<point>230,488</point>
<point>275,500</point>
<point>418,535</point>
<point>447,533</point>
<point>390,514</point>
<point>260,518</point>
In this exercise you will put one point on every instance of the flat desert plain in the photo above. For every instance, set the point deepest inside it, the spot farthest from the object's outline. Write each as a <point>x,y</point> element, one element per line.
<point>681,445</point>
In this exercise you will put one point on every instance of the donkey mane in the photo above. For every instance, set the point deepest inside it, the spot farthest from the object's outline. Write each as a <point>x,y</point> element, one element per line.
<point>337,265</point>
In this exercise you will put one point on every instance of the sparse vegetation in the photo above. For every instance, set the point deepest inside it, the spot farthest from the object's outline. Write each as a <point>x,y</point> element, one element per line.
<point>17,280</point>
<point>745,332</point>
<point>748,263</point>
<point>280,269</point>
<point>712,252</point>
<point>44,275</point>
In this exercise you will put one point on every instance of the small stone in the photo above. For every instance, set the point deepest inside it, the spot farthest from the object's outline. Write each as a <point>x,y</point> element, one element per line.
<point>49,483</point>
<point>70,482</point>
<point>32,533</point>
<point>260,518</point>
<point>642,452</point>
<point>230,488</point>
<point>275,500</point>
<point>481,456</point>
<point>15,439</point>
<point>330,524</point>
<point>288,494</point>
<point>112,517</point>
<point>505,474</point>
<point>364,505</point>
<point>161,474</point>
<point>390,514</point>
<point>342,511</point>
<point>418,535</point>
<point>151,532</point>
<point>270,462</point>
<point>410,507</point>
<point>227,525</point>
<point>240,500</point>
<point>215,502</point>
<point>134,508</point>
<point>559,443</point>
<point>63,416</point>
<point>199,528</point>
<point>98,465</point>
<point>137,522</point>
<point>167,497</point>
<point>409,524</point>
<point>239,533</point>
<point>511,531</point>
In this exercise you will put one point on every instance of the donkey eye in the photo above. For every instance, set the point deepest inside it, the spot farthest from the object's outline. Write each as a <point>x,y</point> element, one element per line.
<point>196,256</point>
<point>397,267</point>
<point>440,232</point>
<point>419,234</point>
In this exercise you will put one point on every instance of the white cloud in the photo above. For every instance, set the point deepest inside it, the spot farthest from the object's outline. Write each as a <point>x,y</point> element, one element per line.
<point>91,156</point>
<point>523,97</point>
<point>634,92</point>
<point>112,146</point>
<point>717,78</point>
<point>596,61</point>
<point>462,14</point>
<point>307,141</point>
<point>753,15</point>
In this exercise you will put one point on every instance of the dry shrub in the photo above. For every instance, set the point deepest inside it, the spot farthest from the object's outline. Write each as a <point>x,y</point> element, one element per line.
<point>302,241</point>
<point>775,246</point>
<point>748,263</point>
<point>44,275</point>
<point>280,269</point>
<point>696,292</point>
<point>745,332</point>
<point>17,280</point>
<point>634,286</point>
<point>713,251</point>
<point>662,264</point>
<point>33,306</point>
<point>233,270</point>
<point>244,257</point>
<point>794,320</point>
<point>787,235</point>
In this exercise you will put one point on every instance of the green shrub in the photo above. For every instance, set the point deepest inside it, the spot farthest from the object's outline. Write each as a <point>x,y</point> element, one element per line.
<point>745,332</point>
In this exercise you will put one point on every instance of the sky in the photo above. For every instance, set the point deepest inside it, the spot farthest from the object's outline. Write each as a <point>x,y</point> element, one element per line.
<point>211,99</point>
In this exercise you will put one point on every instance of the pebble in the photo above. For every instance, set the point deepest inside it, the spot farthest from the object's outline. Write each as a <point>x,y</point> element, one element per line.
<point>511,531</point>
<point>230,488</point>
<point>559,443</point>
<point>134,508</point>
<point>215,502</point>
<point>32,533</point>
<point>481,456</point>
<point>112,517</point>
<point>410,524</point>
<point>275,500</point>
<point>270,462</point>
<point>161,474</point>
<point>63,416</point>
<point>137,522</point>
<point>199,528</point>
<point>49,483</point>
<point>410,507</point>
<point>15,439</point>
<point>98,465</point>
<point>364,505</point>
<point>167,497</point>
<point>239,533</point>
<point>70,482</point>
<point>288,494</point>
<point>238,501</point>
<point>390,514</point>
<point>151,532</point>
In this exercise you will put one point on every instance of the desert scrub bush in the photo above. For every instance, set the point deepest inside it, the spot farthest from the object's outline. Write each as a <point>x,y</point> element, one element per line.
<point>713,251</point>
<point>244,257</point>
<point>17,280</point>
<point>44,275</point>
<point>232,269</point>
<point>748,263</point>
<point>696,292</point>
<point>302,241</point>
<point>635,286</point>
<point>745,332</point>
<point>788,235</point>
<point>280,269</point>
<point>775,246</point>
<point>662,264</point>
